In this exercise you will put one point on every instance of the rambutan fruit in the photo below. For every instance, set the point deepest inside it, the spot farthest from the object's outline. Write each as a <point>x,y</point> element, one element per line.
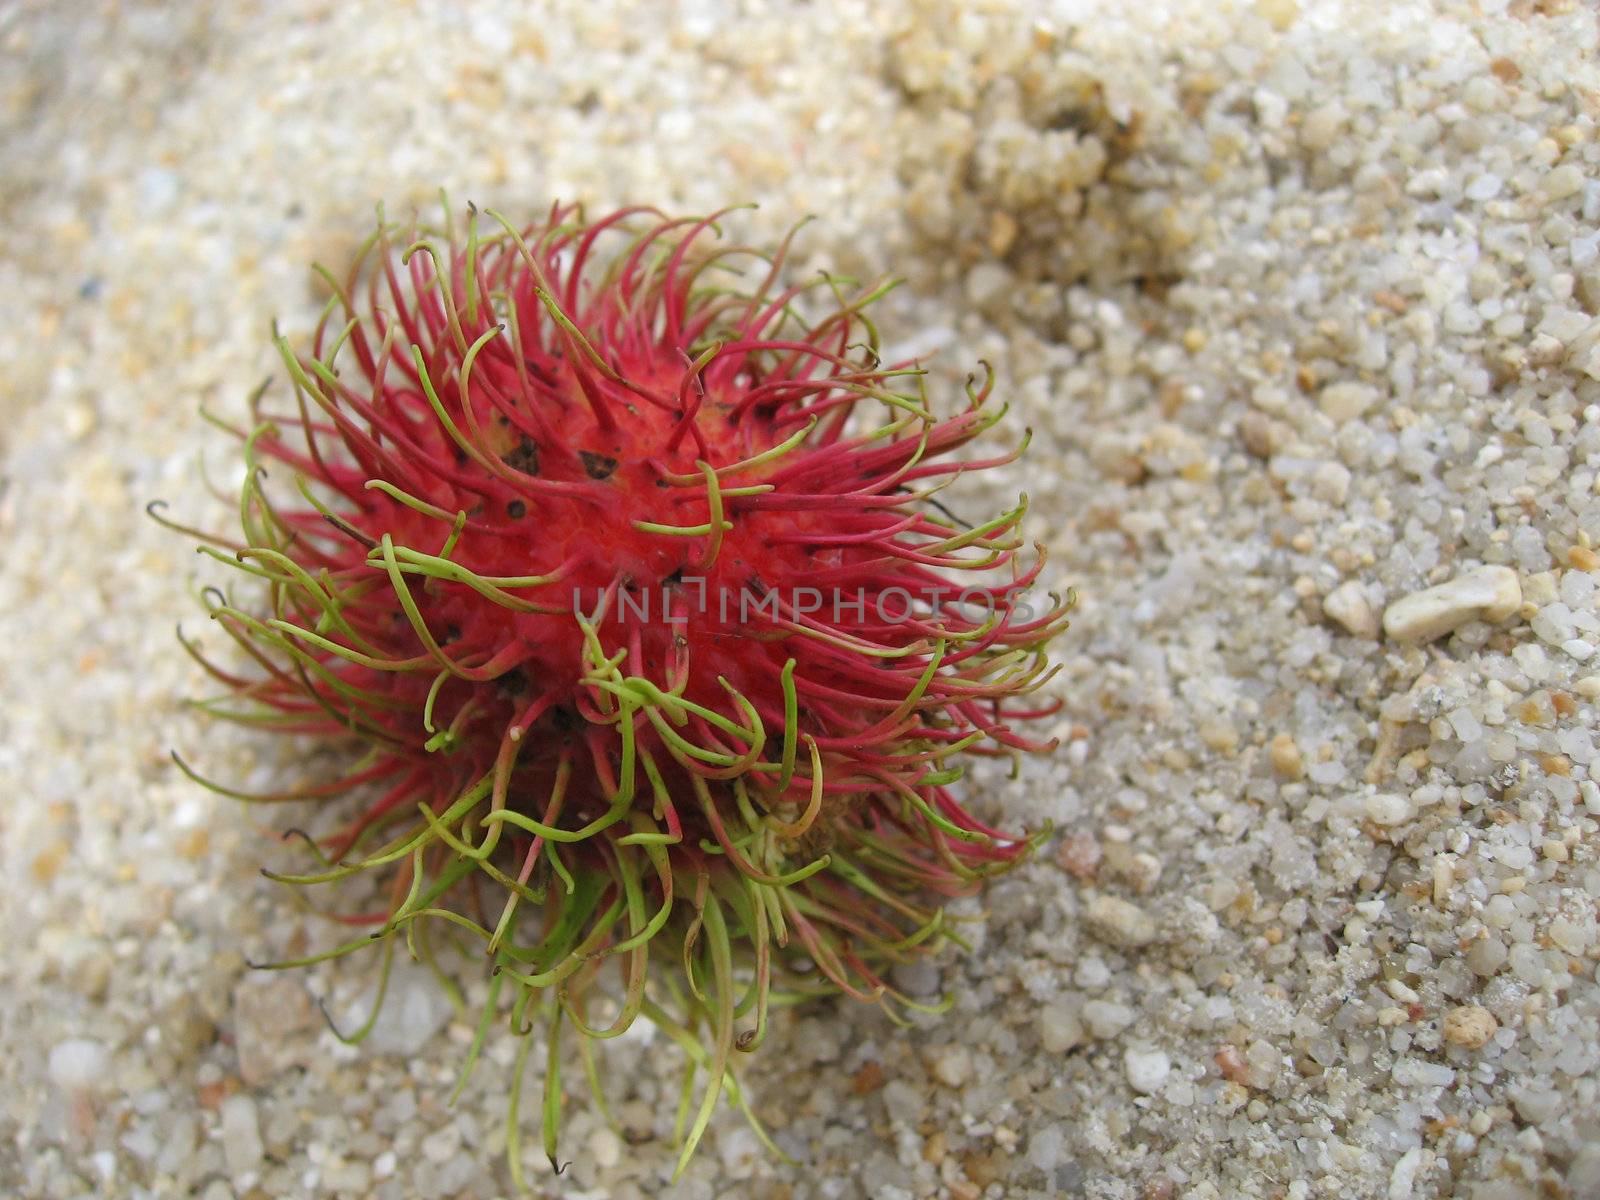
<point>629,579</point>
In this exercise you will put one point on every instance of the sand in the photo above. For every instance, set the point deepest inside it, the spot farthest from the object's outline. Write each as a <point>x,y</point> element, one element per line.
<point>1302,303</point>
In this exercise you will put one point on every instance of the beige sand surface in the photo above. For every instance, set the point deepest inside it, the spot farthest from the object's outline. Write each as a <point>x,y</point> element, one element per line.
<point>1302,300</point>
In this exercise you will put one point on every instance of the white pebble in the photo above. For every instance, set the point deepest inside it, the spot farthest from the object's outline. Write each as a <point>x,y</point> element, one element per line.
<point>1583,1177</point>
<point>1047,1148</point>
<point>1486,956</point>
<point>1106,1018</point>
<point>1571,937</point>
<point>903,1102</point>
<point>140,1141</point>
<point>920,977</point>
<point>415,1009</point>
<point>1577,590</point>
<point>1403,1178</point>
<point>1322,125</point>
<point>1444,878</point>
<point>1527,964</point>
<point>1540,589</point>
<point>1147,1069</point>
<point>1490,593</point>
<point>158,187</point>
<point>1536,1104</point>
<point>105,1165</point>
<point>988,284</point>
<point>1271,109</point>
<point>1388,809</point>
<point>1327,774</point>
<point>952,1066</point>
<point>241,1135</point>
<point>1420,1073</point>
<point>1566,180</point>
<point>1347,606</point>
<point>1484,94</point>
<point>739,1149</point>
<point>1545,350</point>
<point>1330,482</point>
<point>1553,624</point>
<point>1431,181</point>
<point>1345,400</point>
<point>78,1064</point>
<point>1402,991</point>
<point>1584,250</point>
<point>442,1145</point>
<point>79,421</point>
<point>1590,791</point>
<point>1465,725</point>
<point>1059,1027</point>
<point>1578,649</point>
<point>1116,921</point>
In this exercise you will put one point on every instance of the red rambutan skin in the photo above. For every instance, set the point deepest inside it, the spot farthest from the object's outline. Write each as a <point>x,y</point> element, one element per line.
<point>597,548</point>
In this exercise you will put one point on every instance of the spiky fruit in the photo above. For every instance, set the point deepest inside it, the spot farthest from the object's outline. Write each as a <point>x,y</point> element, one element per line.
<point>661,650</point>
